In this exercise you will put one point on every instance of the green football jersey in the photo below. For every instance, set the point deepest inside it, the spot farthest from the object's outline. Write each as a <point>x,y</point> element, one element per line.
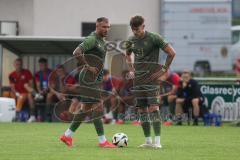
<point>146,51</point>
<point>94,49</point>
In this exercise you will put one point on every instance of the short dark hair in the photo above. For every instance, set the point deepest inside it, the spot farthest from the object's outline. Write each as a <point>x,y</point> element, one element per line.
<point>102,19</point>
<point>105,72</point>
<point>136,21</point>
<point>187,72</point>
<point>19,60</point>
<point>42,60</point>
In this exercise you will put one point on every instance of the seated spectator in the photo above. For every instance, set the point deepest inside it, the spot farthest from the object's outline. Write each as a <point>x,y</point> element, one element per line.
<point>188,95</point>
<point>169,85</point>
<point>41,80</point>
<point>41,77</point>
<point>127,98</point>
<point>76,104</point>
<point>21,83</point>
<point>110,84</point>
<point>61,84</point>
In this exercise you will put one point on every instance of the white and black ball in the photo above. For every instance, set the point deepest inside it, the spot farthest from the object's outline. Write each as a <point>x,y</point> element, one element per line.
<point>120,139</point>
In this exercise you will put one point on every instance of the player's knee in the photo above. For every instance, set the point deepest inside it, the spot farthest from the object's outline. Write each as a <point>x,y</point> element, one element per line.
<point>171,98</point>
<point>50,95</point>
<point>195,101</point>
<point>98,107</point>
<point>153,108</point>
<point>75,101</point>
<point>179,100</point>
<point>29,96</point>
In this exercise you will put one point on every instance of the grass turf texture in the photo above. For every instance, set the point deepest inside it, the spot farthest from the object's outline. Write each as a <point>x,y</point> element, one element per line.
<point>40,141</point>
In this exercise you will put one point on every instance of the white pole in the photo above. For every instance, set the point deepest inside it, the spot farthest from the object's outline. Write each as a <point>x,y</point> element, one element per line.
<point>1,67</point>
<point>217,79</point>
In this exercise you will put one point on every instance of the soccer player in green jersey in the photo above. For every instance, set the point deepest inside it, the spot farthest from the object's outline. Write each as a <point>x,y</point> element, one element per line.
<point>91,54</point>
<point>146,46</point>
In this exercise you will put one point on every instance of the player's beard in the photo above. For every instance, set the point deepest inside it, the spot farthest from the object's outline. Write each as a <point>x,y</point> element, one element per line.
<point>104,35</point>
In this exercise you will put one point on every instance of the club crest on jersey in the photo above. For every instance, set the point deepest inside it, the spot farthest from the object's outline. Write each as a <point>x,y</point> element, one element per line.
<point>22,77</point>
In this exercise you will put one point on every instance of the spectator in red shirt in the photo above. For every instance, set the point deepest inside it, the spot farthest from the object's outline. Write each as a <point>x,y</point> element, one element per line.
<point>170,84</point>
<point>61,83</point>
<point>21,83</point>
<point>174,79</point>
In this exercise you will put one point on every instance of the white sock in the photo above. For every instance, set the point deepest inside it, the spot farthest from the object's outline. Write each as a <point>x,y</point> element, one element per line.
<point>157,140</point>
<point>68,133</point>
<point>102,139</point>
<point>148,140</point>
<point>32,117</point>
<point>109,115</point>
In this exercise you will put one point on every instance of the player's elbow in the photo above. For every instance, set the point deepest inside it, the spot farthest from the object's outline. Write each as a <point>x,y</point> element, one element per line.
<point>77,52</point>
<point>170,51</point>
<point>128,58</point>
<point>173,54</point>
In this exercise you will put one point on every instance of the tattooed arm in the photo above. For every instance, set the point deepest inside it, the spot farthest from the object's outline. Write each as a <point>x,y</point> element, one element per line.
<point>170,55</point>
<point>78,53</point>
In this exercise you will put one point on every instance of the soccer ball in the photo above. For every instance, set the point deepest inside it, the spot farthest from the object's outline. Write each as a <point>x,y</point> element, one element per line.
<point>120,139</point>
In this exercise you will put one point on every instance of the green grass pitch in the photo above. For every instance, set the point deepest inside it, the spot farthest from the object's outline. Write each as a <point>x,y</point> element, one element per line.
<point>40,141</point>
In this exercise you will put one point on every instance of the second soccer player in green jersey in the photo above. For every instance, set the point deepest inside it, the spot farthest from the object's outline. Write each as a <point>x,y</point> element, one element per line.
<point>146,46</point>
